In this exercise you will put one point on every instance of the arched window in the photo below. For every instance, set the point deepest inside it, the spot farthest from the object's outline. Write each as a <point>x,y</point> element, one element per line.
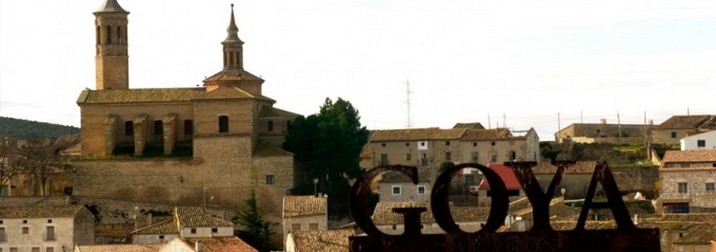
<point>119,35</point>
<point>231,58</point>
<point>188,127</point>
<point>223,124</point>
<point>270,126</point>
<point>128,128</point>
<point>98,35</point>
<point>109,35</point>
<point>158,128</point>
<point>236,56</point>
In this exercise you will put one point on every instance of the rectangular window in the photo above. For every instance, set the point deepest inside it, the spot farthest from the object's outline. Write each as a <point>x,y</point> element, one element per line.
<point>383,159</point>
<point>25,230</point>
<point>408,157</point>
<point>192,230</point>
<point>214,230</point>
<point>448,156</point>
<point>288,125</point>
<point>161,237</point>
<point>493,157</point>
<point>469,180</point>
<point>492,143</point>
<point>269,179</point>
<point>269,125</point>
<point>447,143</point>
<point>683,187</point>
<point>296,227</point>
<point>395,190</point>
<point>2,234</point>
<point>188,127</point>
<point>313,226</point>
<point>36,249</point>
<point>700,143</point>
<point>474,157</point>
<point>710,187</point>
<point>673,134</point>
<point>158,128</point>
<point>48,249</point>
<point>223,124</point>
<point>423,159</point>
<point>421,190</point>
<point>50,234</point>
<point>13,249</point>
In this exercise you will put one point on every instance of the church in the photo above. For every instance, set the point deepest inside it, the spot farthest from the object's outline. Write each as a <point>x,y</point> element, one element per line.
<point>208,145</point>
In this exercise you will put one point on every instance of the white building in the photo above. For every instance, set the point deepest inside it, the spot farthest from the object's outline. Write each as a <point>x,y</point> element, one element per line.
<point>46,228</point>
<point>703,141</point>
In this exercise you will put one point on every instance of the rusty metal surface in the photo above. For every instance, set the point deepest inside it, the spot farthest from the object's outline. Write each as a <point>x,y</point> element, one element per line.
<point>540,238</point>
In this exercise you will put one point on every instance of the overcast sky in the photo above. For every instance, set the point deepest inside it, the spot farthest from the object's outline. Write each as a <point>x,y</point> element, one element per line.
<point>519,63</point>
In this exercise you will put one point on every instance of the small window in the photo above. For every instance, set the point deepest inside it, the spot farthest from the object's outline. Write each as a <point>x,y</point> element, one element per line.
<point>700,143</point>
<point>296,227</point>
<point>513,156</point>
<point>423,159</point>
<point>48,249</point>
<point>313,226</point>
<point>422,143</point>
<point>469,180</point>
<point>161,237</point>
<point>25,230</point>
<point>2,234</point>
<point>474,144</point>
<point>448,156</point>
<point>50,234</point>
<point>493,157</point>
<point>269,125</point>
<point>13,249</point>
<point>24,221</point>
<point>35,249</point>
<point>109,35</point>
<point>188,127</point>
<point>383,159</point>
<point>49,220</point>
<point>158,128</point>
<point>396,190</point>
<point>214,230</point>
<point>408,157</point>
<point>683,187</point>
<point>288,124</point>
<point>421,190</point>
<point>128,128</point>
<point>270,179</point>
<point>119,35</point>
<point>492,143</point>
<point>382,145</point>
<point>710,187</point>
<point>192,230</point>
<point>673,134</point>
<point>223,124</point>
<point>447,143</point>
<point>474,156</point>
<point>407,144</point>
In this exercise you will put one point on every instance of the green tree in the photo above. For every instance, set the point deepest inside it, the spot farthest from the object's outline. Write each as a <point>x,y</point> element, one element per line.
<point>256,231</point>
<point>328,146</point>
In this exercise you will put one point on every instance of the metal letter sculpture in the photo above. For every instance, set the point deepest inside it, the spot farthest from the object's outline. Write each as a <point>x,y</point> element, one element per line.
<point>540,238</point>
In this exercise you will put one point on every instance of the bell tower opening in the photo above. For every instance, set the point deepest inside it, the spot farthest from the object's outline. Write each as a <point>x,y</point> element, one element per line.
<point>111,60</point>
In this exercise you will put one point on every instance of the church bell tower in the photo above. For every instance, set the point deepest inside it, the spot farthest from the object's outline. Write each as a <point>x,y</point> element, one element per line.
<point>112,61</point>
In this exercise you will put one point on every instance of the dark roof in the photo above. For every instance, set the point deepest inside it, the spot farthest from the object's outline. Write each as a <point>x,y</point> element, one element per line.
<point>393,176</point>
<point>155,95</point>
<point>40,211</point>
<point>384,215</point>
<point>233,75</point>
<point>307,205</point>
<point>487,134</point>
<point>111,6</point>
<point>471,125</point>
<point>507,176</point>
<point>684,122</point>
<point>417,134</point>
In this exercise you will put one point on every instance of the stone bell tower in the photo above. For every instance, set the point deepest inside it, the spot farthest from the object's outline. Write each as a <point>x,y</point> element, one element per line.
<point>112,61</point>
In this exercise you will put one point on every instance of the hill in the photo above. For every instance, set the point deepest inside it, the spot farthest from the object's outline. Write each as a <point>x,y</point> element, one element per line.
<point>25,129</point>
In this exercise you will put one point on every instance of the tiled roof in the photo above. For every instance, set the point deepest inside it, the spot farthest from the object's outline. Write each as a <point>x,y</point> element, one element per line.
<point>232,75</point>
<point>689,156</point>
<point>225,92</point>
<point>119,248</point>
<point>309,205</point>
<point>417,134</point>
<point>222,244</point>
<point>486,134</point>
<point>163,227</point>
<point>507,176</point>
<point>384,215</point>
<point>265,149</point>
<point>393,176</point>
<point>691,217</point>
<point>276,112</point>
<point>40,211</point>
<point>579,167</point>
<point>196,217</point>
<point>471,125</point>
<point>139,95</point>
<point>684,122</point>
<point>322,240</point>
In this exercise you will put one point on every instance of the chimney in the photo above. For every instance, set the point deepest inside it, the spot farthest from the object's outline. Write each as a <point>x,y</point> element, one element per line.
<point>197,246</point>
<point>603,121</point>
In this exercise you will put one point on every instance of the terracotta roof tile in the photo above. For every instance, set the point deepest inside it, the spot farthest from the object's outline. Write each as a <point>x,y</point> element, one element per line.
<point>471,125</point>
<point>222,244</point>
<point>225,93</point>
<point>417,134</point>
<point>384,215</point>
<point>232,75</point>
<point>40,211</point>
<point>139,95</point>
<point>119,248</point>
<point>689,156</point>
<point>196,217</point>
<point>579,167</point>
<point>684,122</point>
<point>506,174</point>
<point>486,134</point>
<point>163,227</point>
<point>323,240</point>
<point>304,206</point>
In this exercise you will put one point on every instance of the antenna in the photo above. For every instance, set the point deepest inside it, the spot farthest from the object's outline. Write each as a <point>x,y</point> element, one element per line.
<point>409,123</point>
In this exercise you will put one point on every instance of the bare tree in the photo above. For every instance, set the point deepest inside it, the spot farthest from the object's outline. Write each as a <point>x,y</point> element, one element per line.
<point>9,167</point>
<point>43,158</point>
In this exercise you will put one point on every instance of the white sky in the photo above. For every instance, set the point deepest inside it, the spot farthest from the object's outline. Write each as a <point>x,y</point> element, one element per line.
<point>525,61</point>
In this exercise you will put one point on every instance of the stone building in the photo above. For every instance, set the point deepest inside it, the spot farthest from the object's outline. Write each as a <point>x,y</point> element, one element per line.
<point>304,213</point>
<point>604,133</point>
<point>186,222</point>
<point>180,145</point>
<point>688,181</point>
<point>428,148</point>
<point>677,127</point>
<point>47,228</point>
<point>397,187</point>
